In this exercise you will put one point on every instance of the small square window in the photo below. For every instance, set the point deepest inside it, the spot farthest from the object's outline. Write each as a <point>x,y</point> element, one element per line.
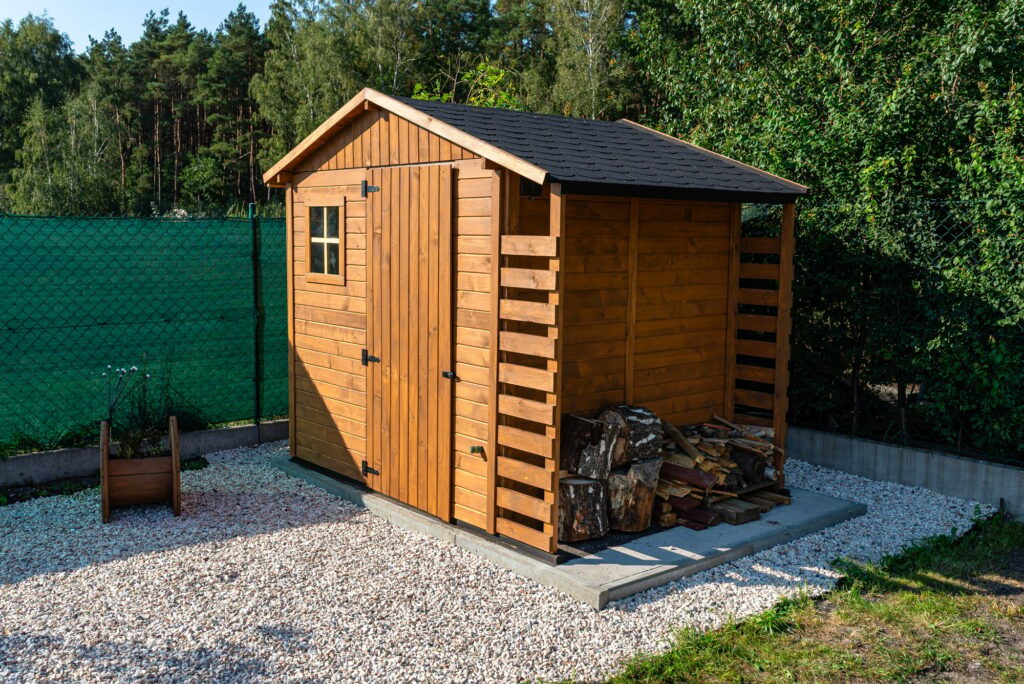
<point>326,240</point>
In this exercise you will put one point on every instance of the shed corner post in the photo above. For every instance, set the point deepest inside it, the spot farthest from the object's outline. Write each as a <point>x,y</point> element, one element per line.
<point>732,304</point>
<point>787,245</point>
<point>289,229</point>
<point>557,264</point>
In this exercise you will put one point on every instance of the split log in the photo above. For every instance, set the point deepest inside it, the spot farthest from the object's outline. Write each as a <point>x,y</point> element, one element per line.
<point>640,433</point>
<point>631,495</point>
<point>667,519</point>
<point>587,446</point>
<point>697,478</point>
<point>582,509</point>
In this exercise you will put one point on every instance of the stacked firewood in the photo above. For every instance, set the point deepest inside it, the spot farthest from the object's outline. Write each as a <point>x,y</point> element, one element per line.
<point>713,471</point>
<point>626,468</point>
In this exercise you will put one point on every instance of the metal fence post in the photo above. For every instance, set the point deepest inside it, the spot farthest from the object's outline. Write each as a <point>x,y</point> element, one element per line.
<point>258,316</point>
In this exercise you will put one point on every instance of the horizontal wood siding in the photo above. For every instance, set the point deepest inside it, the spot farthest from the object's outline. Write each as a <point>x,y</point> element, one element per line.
<point>646,305</point>
<point>379,138</point>
<point>329,332</point>
<point>474,259</point>
<point>682,284</point>
<point>596,296</point>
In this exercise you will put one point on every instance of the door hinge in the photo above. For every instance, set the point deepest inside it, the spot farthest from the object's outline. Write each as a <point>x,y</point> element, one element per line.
<point>367,358</point>
<point>449,374</point>
<point>365,187</point>
<point>367,470</point>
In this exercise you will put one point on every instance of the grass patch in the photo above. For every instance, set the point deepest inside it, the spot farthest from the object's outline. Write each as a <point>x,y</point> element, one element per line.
<point>71,485</point>
<point>949,608</point>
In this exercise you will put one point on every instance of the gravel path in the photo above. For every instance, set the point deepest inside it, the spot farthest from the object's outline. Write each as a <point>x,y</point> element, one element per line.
<point>266,578</point>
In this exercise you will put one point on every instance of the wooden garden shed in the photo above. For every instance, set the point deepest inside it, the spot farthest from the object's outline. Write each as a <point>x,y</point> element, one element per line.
<point>461,277</point>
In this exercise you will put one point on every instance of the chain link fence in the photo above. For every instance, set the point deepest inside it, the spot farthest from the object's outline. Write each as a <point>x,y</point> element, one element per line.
<point>198,304</point>
<point>909,324</point>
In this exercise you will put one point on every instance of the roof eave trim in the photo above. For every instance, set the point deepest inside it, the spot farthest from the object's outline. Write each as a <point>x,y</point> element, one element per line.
<point>368,96</point>
<point>798,189</point>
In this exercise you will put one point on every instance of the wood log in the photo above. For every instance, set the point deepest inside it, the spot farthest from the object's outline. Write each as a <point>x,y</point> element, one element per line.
<point>693,525</point>
<point>681,504</point>
<point>667,519</point>
<point>631,495</point>
<point>691,476</point>
<point>640,433</point>
<point>750,467</point>
<point>736,512</point>
<point>582,509</point>
<point>701,515</point>
<point>587,446</point>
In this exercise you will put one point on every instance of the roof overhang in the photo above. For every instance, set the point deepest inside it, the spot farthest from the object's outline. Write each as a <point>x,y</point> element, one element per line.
<point>280,173</point>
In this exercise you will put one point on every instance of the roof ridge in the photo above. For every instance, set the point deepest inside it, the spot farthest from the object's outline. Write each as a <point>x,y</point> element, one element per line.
<point>705,150</point>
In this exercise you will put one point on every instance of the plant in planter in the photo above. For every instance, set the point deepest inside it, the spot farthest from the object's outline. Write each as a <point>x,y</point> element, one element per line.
<point>141,470</point>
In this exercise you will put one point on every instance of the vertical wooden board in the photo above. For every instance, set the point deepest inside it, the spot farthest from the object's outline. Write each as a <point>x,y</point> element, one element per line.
<point>787,246</point>
<point>735,228</point>
<point>631,292</point>
<point>433,350</point>
<point>415,296</point>
<point>445,288</point>
<point>290,304</point>
<point>401,191</point>
<point>374,309</point>
<point>498,215</point>
<point>393,350</point>
<point>423,361</point>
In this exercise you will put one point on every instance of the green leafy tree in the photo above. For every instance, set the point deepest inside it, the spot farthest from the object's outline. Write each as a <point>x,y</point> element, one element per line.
<point>36,63</point>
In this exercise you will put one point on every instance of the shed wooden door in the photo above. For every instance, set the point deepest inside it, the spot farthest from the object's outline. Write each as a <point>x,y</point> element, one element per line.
<point>409,328</point>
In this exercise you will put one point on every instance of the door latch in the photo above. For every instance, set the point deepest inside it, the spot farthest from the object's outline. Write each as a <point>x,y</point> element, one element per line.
<point>367,359</point>
<point>449,374</point>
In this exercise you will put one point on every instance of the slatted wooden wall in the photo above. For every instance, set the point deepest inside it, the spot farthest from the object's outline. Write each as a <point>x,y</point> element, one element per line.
<point>760,325</point>
<point>328,332</point>
<point>527,372</point>
<point>477,212</point>
<point>379,138</point>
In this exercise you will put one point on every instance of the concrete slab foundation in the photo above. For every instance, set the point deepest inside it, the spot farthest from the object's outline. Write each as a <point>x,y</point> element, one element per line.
<point>618,571</point>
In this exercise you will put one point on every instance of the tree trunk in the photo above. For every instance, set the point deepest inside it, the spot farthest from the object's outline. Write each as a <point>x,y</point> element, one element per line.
<point>631,495</point>
<point>640,433</point>
<point>582,509</point>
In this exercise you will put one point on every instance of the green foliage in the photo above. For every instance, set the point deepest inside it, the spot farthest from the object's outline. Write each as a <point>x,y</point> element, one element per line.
<point>906,119</point>
<point>36,64</point>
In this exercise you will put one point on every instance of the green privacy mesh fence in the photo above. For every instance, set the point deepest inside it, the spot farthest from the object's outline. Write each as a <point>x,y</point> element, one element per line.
<point>183,299</point>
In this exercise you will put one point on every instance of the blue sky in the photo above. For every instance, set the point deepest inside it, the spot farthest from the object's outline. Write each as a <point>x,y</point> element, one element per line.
<point>82,18</point>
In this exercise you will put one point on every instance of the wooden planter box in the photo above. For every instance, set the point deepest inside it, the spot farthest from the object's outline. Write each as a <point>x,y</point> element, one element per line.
<point>131,481</point>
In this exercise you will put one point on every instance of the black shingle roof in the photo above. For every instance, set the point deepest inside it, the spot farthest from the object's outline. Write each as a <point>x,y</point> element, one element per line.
<point>584,152</point>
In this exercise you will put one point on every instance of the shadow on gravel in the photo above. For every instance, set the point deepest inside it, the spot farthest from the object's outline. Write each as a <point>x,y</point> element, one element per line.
<point>133,660</point>
<point>64,533</point>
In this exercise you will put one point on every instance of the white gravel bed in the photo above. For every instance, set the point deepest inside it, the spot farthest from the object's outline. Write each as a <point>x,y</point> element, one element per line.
<point>266,578</point>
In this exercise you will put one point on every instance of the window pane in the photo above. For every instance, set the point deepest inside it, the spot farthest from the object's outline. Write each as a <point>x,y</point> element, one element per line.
<point>316,257</point>
<point>332,258</point>
<point>316,221</point>
<point>332,221</point>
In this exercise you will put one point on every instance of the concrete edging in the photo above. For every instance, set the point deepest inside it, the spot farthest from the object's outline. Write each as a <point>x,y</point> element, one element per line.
<point>957,476</point>
<point>46,466</point>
